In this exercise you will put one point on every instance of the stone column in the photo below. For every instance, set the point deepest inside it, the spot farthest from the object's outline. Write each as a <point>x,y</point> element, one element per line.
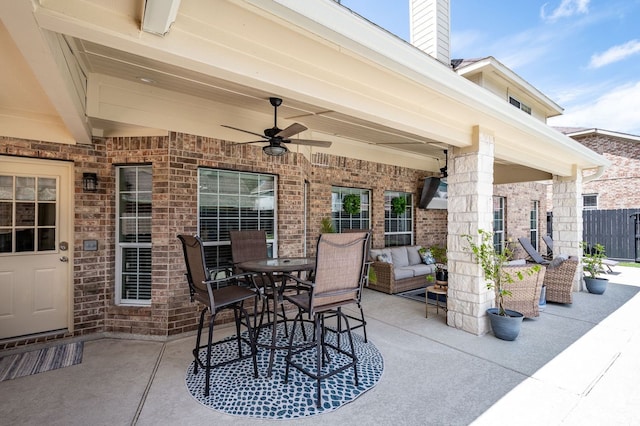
<point>470,208</point>
<point>567,218</point>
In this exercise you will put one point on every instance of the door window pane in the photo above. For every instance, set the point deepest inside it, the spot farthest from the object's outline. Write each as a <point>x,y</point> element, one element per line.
<point>25,240</point>
<point>6,214</point>
<point>26,188</point>
<point>46,239</point>
<point>25,213</point>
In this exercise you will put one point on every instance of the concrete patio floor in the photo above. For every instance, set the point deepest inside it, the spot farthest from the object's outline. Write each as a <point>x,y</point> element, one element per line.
<point>576,364</point>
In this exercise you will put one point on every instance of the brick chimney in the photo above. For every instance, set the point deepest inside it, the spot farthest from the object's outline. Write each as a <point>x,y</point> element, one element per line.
<point>430,28</point>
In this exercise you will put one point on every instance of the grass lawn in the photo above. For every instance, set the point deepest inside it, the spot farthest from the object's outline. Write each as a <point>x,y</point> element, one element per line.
<point>630,264</point>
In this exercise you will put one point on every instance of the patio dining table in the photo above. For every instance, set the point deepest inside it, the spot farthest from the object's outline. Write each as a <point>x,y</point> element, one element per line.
<point>274,268</point>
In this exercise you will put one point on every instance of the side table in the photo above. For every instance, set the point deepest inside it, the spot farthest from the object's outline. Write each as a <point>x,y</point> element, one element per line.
<point>438,291</point>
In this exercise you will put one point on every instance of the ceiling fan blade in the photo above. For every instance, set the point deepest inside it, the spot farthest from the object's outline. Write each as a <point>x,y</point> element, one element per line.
<point>294,129</point>
<point>308,142</point>
<point>246,131</point>
<point>244,143</point>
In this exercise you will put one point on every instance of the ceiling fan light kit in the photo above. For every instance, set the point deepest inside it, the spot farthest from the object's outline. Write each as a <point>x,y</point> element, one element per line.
<point>277,137</point>
<point>275,150</point>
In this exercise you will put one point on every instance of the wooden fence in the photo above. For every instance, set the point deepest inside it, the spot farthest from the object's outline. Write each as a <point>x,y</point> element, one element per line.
<point>614,229</point>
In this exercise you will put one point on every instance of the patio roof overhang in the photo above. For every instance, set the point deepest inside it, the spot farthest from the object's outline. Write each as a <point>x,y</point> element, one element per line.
<point>80,66</point>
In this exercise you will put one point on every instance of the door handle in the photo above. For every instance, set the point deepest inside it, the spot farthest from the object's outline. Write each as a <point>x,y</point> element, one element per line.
<point>64,259</point>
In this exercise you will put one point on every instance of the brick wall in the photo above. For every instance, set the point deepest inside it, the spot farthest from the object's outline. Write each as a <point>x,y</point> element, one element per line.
<point>175,160</point>
<point>618,187</point>
<point>519,200</point>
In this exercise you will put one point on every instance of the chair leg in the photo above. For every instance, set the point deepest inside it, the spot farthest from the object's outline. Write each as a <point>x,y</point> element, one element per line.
<point>236,316</point>
<point>290,346</point>
<point>196,351</point>
<point>364,323</point>
<point>319,356</point>
<point>353,349</point>
<point>252,341</point>
<point>208,363</point>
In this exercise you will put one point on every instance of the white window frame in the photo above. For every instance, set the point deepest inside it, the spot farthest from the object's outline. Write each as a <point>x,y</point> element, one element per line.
<point>589,206</point>
<point>338,215</point>
<point>404,220</point>
<point>268,196</point>
<point>516,103</point>
<point>121,299</point>
<point>499,223</point>
<point>534,232</point>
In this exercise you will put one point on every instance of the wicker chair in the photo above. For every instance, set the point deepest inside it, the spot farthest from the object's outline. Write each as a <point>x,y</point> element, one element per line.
<point>525,293</point>
<point>559,281</point>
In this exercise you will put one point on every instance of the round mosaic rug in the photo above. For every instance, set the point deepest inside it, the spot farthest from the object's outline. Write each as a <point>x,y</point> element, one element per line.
<point>235,391</point>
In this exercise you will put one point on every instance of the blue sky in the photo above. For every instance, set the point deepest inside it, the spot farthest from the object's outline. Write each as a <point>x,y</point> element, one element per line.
<point>583,54</point>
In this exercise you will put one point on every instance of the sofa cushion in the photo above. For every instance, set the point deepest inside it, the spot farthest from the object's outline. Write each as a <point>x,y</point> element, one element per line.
<point>402,272</point>
<point>384,257</point>
<point>422,269</point>
<point>414,255</point>
<point>399,256</point>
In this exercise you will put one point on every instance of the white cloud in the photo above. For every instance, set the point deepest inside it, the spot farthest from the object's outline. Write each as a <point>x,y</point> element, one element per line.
<point>566,9</point>
<point>615,54</point>
<point>615,111</point>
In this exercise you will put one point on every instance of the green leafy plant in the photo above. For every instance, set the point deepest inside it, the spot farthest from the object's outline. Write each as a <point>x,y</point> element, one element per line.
<point>439,253</point>
<point>398,205</point>
<point>592,258</point>
<point>492,264</point>
<point>351,204</point>
<point>326,226</point>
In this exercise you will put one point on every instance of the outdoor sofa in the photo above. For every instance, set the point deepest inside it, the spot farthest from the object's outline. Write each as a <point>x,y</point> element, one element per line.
<point>398,269</point>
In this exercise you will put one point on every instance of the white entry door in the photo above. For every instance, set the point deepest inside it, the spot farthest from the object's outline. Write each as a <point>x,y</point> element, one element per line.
<point>36,246</point>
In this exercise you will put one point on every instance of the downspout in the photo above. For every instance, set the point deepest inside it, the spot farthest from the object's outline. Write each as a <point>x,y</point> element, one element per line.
<point>596,175</point>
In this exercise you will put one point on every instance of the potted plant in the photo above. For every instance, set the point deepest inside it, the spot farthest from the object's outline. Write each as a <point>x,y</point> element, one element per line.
<point>326,226</point>
<point>440,255</point>
<point>505,323</point>
<point>592,265</point>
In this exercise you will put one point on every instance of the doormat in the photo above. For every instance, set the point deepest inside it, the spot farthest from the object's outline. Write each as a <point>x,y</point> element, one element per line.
<point>41,360</point>
<point>235,391</point>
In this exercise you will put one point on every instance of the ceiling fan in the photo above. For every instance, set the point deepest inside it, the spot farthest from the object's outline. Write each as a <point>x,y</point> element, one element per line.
<point>278,138</point>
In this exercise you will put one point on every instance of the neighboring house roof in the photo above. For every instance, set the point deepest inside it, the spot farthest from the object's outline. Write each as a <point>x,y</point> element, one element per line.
<point>585,131</point>
<point>490,65</point>
<point>82,67</point>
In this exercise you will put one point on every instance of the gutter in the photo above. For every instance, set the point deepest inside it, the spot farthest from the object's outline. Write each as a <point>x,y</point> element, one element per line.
<point>599,172</point>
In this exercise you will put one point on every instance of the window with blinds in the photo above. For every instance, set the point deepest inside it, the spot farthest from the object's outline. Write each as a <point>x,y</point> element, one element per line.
<point>230,200</point>
<point>133,235</point>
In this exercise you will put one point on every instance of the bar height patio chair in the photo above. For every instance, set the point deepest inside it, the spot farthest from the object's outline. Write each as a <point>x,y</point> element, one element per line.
<point>216,295</point>
<point>337,282</point>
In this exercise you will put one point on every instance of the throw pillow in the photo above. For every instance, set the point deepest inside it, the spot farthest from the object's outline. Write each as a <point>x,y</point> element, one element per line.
<point>428,258</point>
<point>557,261</point>
<point>385,257</point>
